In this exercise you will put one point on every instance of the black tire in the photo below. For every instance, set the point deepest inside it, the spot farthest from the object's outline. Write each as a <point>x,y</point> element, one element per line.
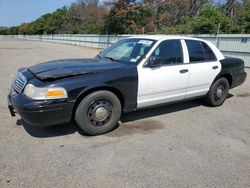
<point>218,92</point>
<point>98,112</point>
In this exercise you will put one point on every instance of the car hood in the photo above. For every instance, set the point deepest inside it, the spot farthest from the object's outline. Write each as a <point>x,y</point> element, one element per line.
<point>71,67</point>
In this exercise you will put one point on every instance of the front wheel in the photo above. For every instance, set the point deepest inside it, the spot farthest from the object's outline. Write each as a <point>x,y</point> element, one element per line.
<point>98,113</point>
<point>218,92</point>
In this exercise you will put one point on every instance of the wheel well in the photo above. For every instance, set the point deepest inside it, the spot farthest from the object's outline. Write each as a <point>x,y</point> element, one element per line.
<point>111,89</point>
<point>228,77</point>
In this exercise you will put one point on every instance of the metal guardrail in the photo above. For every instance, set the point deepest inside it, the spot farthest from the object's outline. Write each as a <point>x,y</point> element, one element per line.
<point>233,45</point>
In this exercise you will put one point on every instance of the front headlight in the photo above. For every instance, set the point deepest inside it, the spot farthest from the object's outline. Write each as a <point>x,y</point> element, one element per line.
<point>43,93</point>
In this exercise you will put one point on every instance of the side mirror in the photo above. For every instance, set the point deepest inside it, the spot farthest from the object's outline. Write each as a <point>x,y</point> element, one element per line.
<point>153,62</point>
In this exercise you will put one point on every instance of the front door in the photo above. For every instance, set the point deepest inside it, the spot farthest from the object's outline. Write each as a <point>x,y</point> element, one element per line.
<point>166,82</point>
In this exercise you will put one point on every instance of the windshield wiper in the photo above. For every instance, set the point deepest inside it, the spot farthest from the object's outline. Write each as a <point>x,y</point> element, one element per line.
<point>98,56</point>
<point>111,58</point>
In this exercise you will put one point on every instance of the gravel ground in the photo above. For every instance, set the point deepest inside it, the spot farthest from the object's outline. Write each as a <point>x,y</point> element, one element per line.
<point>180,145</point>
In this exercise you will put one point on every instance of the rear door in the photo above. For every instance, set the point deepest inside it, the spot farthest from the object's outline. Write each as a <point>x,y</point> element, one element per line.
<point>203,67</point>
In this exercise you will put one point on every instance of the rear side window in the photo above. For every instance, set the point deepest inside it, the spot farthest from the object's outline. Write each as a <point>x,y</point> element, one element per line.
<point>195,51</point>
<point>209,54</point>
<point>199,51</point>
<point>169,52</point>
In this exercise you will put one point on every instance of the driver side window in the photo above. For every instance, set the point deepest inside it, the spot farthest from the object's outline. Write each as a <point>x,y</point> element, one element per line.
<point>169,52</point>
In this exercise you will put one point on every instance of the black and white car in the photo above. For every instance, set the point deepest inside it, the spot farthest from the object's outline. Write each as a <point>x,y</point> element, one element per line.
<point>134,73</point>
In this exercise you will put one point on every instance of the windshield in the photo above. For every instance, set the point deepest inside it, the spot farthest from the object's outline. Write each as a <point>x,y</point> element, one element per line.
<point>129,51</point>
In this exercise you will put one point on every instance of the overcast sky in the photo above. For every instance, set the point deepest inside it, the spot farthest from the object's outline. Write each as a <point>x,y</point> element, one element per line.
<point>15,12</point>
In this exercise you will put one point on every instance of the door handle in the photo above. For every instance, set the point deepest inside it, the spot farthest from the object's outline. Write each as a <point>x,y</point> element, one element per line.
<point>215,67</point>
<point>183,71</point>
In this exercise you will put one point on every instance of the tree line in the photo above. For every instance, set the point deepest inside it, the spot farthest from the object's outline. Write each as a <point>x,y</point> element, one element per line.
<point>142,16</point>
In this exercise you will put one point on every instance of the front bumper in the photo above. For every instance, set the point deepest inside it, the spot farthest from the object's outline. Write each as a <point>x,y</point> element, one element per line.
<point>40,113</point>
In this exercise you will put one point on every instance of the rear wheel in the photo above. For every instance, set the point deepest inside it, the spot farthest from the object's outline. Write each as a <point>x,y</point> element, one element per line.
<point>98,113</point>
<point>218,92</point>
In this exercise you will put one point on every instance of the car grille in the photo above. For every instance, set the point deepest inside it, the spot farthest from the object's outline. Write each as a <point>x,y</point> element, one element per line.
<point>19,82</point>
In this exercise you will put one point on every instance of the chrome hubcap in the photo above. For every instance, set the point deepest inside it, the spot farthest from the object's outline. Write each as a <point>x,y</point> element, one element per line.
<point>219,92</point>
<point>100,112</point>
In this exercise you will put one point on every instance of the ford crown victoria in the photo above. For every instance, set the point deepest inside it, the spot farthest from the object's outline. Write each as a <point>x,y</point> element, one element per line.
<point>134,73</point>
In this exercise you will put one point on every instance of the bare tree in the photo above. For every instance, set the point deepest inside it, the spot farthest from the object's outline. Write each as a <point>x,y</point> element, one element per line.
<point>195,6</point>
<point>230,8</point>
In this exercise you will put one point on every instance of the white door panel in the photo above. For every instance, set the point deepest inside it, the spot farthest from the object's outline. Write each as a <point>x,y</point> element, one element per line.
<point>203,73</point>
<point>201,77</point>
<point>161,85</point>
